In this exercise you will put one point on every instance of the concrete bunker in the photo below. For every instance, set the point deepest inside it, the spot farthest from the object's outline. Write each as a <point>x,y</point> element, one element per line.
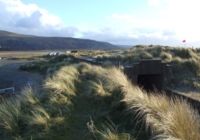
<point>150,82</point>
<point>147,73</point>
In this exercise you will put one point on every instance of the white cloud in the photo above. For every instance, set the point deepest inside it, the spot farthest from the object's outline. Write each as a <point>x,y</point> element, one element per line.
<point>154,3</point>
<point>163,21</point>
<point>31,19</point>
<point>181,16</point>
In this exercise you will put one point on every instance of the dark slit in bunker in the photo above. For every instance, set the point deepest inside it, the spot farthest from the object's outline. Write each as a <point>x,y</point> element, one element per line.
<point>150,82</point>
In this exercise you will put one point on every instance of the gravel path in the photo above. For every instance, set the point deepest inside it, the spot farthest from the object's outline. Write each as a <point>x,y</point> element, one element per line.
<point>9,71</point>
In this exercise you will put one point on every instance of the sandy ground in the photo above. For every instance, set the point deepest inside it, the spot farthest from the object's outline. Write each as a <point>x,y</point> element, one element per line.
<point>9,71</point>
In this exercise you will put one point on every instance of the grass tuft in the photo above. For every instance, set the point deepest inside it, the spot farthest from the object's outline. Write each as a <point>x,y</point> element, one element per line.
<point>76,93</point>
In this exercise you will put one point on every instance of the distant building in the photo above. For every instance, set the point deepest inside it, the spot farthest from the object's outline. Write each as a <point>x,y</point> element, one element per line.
<point>148,73</point>
<point>68,52</point>
<point>54,54</point>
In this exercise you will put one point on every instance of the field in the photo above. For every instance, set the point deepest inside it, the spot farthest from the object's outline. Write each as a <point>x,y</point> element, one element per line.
<point>81,101</point>
<point>22,54</point>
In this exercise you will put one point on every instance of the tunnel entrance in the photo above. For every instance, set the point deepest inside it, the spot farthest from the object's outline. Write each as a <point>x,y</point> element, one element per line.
<point>148,74</point>
<point>150,82</point>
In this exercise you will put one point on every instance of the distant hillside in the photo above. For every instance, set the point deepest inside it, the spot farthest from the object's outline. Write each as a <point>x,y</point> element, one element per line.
<point>13,41</point>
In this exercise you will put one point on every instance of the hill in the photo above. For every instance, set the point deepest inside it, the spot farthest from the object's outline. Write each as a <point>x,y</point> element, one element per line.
<point>14,42</point>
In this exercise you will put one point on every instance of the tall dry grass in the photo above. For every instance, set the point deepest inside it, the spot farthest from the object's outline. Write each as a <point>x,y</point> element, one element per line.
<point>10,115</point>
<point>46,114</point>
<point>107,132</point>
<point>63,81</point>
<point>172,119</point>
<point>167,118</point>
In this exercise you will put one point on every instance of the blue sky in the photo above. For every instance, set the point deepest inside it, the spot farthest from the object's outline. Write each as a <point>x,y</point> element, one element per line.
<point>94,11</point>
<point>126,22</point>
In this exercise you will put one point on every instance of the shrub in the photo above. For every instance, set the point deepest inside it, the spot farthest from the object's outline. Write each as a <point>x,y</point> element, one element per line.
<point>10,115</point>
<point>169,119</point>
<point>183,53</point>
<point>108,132</point>
<point>167,57</point>
<point>63,81</point>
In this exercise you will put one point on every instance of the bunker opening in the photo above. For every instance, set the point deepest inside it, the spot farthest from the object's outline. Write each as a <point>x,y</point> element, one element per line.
<point>150,82</point>
<point>148,74</point>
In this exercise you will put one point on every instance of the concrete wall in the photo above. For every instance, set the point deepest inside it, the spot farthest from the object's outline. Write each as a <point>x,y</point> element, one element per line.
<point>148,74</point>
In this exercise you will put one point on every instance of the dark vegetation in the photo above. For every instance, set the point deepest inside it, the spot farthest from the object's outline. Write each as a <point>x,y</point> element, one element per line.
<point>49,64</point>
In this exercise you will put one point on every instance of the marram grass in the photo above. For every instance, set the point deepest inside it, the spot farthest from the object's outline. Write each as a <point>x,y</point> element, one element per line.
<point>75,93</point>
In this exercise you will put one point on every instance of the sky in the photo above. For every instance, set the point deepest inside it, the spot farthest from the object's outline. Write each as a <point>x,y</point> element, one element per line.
<point>124,22</point>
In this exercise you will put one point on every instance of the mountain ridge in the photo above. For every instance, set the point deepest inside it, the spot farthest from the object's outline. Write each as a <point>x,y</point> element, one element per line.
<point>11,41</point>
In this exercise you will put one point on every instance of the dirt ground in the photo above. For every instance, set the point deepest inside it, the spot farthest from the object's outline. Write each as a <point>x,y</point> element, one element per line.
<point>22,54</point>
<point>9,71</point>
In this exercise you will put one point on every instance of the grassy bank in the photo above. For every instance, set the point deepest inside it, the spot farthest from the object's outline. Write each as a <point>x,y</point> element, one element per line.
<point>184,62</point>
<point>85,102</point>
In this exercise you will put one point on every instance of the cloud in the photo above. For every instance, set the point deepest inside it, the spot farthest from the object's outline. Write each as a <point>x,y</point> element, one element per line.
<point>133,38</point>
<point>162,22</point>
<point>31,21</point>
<point>154,3</point>
<point>181,16</point>
<point>131,29</point>
<point>30,18</point>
